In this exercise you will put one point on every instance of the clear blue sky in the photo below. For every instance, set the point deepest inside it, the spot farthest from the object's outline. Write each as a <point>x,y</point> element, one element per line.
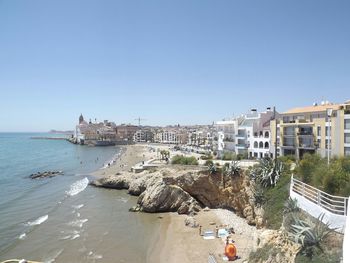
<point>169,62</point>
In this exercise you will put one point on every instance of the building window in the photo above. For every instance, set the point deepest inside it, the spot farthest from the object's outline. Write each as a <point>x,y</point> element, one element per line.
<point>347,151</point>
<point>261,145</point>
<point>266,134</point>
<point>318,130</point>
<point>328,131</point>
<point>266,145</point>
<point>347,124</point>
<point>255,144</point>
<point>347,138</point>
<point>330,144</point>
<point>319,142</point>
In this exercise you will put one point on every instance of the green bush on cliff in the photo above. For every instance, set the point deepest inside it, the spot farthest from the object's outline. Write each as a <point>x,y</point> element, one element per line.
<point>333,179</point>
<point>183,160</point>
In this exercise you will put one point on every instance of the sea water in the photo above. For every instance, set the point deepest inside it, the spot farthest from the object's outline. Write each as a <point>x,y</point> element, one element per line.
<point>63,219</point>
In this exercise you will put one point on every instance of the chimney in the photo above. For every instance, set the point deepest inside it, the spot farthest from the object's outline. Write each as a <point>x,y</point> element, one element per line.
<point>253,111</point>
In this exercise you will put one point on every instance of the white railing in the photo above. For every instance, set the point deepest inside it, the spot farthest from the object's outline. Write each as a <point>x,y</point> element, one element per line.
<point>316,202</point>
<point>334,204</point>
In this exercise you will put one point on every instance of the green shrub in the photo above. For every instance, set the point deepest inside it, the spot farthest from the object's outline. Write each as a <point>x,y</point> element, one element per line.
<point>291,206</point>
<point>275,198</point>
<point>207,157</point>
<point>309,234</point>
<point>333,179</point>
<point>227,156</point>
<point>178,159</point>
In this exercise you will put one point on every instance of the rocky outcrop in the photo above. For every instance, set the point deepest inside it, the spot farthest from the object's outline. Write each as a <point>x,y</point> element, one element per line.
<point>46,174</point>
<point>114,182</point>
<point>186,191</point>
<point>154,194</point>
<point>160,197</point>
<point>209,191</point>
<point>278,247</point>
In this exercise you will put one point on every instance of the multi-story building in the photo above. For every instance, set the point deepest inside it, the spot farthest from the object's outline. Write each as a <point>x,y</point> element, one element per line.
<point>167,136</point>
<point>143,135</point>
<point>225,135</point>
<point>102,133</point>
<point>315,129</point>
<point>125,132</point>
<point>201,138</point>
<point>253,136</point>
<point>248,134</point>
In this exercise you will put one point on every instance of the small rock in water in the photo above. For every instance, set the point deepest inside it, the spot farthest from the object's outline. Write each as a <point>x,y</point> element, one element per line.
<point>135,208</point>
<point>45,174</point>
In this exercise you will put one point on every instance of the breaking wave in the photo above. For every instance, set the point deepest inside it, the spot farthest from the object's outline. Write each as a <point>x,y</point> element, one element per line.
<point>38,221</point>
<point>78,187</point>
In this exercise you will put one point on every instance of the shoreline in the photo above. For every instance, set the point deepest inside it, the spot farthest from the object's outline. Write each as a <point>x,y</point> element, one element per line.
<point>173,240</point>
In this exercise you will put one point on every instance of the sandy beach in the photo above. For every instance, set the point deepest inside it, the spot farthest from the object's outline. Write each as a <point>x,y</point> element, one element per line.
<point>177,242</point>
<point>180,243</point>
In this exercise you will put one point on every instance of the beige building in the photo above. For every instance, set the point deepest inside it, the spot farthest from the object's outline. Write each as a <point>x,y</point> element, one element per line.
<point>311,129</point>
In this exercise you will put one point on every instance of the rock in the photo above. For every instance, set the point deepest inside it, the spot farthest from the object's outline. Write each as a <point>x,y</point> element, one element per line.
<point>160,197</point>
<point>46,174</point>
<point>135,208</point>
<point>114,182</point>
<point>206,209</point>
<point>139,185</point>
<point>191,222</point>
<point>186,191</point>
<point>208,190</point>
<point>278,239</point>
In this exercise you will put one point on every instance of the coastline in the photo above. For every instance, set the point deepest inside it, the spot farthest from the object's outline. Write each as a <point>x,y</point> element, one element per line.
<point>128,157</point>
<point>173,240</point>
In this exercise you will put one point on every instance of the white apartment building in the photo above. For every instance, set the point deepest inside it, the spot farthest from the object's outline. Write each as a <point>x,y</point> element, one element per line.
<point>247,134</point>
<point>225,136</point>
<point>167,136</point>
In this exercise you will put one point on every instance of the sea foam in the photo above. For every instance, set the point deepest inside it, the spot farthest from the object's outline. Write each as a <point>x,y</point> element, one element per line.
<point>78,223</point>
<point>38,221</point>
<point>77,206</point>
<point>78,187</point>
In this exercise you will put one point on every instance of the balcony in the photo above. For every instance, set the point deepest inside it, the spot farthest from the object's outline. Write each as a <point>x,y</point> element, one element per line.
<point>305,131</point>
<point>307,146</point>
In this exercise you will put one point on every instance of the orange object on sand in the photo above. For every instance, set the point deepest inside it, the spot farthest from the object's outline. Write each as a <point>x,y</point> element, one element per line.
<point>230,251</point>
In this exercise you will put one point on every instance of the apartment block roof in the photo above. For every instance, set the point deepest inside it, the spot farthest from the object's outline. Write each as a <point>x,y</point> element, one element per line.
<point>309,109</point>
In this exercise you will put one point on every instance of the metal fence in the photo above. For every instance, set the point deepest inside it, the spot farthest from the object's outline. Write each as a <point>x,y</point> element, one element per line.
<point>334,204</point>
